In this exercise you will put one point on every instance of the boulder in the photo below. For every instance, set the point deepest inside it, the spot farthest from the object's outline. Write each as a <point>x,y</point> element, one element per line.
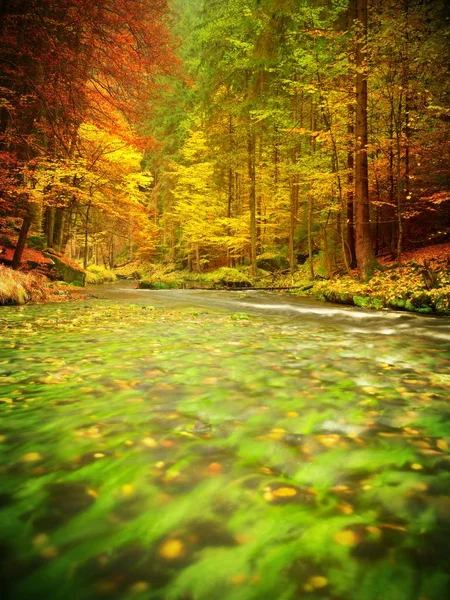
<point>64,269</point>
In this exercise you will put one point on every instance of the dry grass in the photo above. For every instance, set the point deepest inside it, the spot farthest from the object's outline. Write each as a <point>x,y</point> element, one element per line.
<point>20,288</point>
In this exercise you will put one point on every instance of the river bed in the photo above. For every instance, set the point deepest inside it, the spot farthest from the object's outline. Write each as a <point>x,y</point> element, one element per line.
<point>223,445</point>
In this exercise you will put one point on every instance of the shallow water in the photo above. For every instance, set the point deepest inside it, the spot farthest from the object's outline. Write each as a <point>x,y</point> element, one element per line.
<point>216,445</point>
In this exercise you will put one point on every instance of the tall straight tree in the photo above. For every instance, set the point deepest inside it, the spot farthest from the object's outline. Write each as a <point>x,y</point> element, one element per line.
<point>365,255</point>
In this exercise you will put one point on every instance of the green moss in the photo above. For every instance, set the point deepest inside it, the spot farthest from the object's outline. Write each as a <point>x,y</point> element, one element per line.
<point>98,274</point>
<point>146,284</point>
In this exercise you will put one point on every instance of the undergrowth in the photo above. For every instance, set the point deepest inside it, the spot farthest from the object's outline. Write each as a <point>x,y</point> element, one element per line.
<point>98,274</point>
<point>20,288</point>
<point>411,287</point>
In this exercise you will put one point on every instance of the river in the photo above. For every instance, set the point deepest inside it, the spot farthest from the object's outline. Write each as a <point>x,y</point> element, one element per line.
<point>192,444</point>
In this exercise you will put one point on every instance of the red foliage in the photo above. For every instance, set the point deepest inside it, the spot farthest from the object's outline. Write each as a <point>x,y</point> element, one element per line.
<point>28,255</point>
<point>63,63</point>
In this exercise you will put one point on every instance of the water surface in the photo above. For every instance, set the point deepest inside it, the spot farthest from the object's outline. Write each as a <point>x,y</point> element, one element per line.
<point>193,444</point>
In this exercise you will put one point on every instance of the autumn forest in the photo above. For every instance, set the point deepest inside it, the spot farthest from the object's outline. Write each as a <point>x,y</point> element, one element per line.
<point>211,134</point>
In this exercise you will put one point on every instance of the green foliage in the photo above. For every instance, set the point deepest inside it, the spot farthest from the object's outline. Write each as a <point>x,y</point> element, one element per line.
<point>36,242</point>
<point>158,284</point>
<point>403,288</point>
<point>228,277</point>
<point>98,274</point>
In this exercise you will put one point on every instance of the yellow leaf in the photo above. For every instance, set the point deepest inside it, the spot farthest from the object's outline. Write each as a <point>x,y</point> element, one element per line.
<point>317,582</point>
<point>284,492</point>
<point>139,587</point>
<point>369,389</point>
<point>346,538</point>
<point>149,442</point>
<point>172,549</point>
<point>128,489</point>
<point>345,508</point>
<point>238,579</point>
<point>416,467</point>
<point>442,445</point>
<point>292,414</point>
<point>49,552</point>
<point>31,457</point>
<point>40,540</point>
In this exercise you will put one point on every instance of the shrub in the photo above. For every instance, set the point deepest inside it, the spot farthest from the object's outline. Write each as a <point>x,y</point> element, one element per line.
<point>229,277</point>
<point>146,284</point>
<point>98,274</point>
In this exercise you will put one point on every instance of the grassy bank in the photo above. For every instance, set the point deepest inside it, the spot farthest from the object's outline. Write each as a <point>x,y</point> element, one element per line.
<point>20,288</point>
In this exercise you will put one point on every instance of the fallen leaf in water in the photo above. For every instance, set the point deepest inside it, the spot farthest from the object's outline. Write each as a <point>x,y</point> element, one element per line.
<point>128,489</point>
<point>215,468</point>
<point>346,538</point>
<point>172,549</point>
<point>149,442</point>
<point>49,552</point>
<point>284,492</point>
<point>345,508</point>
<point>239,579</point>
<point>316,582</point>
<point>139,587</point>
<point>442,445</point>
<point>31,457</point>
<point>40,539</point>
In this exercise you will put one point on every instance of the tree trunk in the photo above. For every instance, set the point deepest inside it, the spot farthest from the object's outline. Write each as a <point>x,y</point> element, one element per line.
<point>365,256</point>
<point>50,225</point>
<point>21,242</point>
<point>252,198</point>
<point>86,236</point>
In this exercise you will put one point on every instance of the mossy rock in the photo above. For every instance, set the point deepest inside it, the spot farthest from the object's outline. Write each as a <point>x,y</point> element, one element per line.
<point>396,303</point>
<point>228,277</point>
<point>272,263</point>
<point>367,302</point>
<point>65,271</point>
<point>146,284</point>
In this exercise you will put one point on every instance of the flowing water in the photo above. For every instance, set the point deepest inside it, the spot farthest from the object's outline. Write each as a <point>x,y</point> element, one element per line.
<point>223,446</point>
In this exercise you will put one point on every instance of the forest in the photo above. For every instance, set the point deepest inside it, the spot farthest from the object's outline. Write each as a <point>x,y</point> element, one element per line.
<point>306,138</point>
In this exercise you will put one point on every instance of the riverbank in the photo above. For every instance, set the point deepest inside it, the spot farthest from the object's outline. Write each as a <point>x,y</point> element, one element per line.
<point>420,284</point>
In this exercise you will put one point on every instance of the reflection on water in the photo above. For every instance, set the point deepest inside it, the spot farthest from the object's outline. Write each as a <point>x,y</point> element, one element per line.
<point>242,446</point>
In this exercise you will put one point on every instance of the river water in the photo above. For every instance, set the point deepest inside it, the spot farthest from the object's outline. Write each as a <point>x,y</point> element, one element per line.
<point>223,445</point>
